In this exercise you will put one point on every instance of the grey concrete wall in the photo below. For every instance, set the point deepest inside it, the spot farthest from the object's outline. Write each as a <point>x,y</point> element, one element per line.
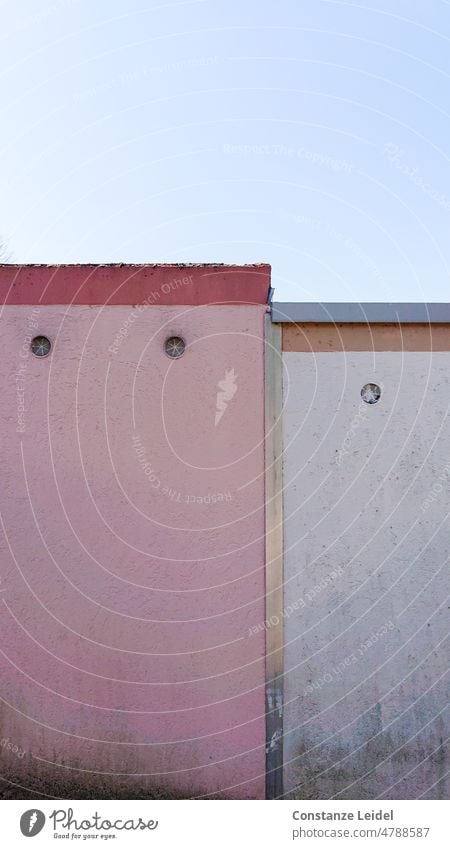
<point>366,573</point>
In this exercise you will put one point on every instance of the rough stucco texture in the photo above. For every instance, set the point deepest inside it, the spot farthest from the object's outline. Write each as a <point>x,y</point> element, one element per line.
<point>366,560</point>
<point>132,560</point>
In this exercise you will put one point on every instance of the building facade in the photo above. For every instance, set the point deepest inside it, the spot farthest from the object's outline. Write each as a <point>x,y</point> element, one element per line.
<point>224,543</point>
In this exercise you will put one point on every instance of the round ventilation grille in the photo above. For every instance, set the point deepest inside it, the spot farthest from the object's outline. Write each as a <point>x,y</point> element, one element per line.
<point>40,346</point>
<point>174,347</point>
<point>371,393</point>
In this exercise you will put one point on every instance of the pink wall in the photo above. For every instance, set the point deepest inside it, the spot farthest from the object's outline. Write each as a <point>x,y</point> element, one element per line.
<point>128,591</point>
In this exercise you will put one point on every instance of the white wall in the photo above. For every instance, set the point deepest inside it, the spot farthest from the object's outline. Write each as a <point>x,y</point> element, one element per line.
<point>366,546</point>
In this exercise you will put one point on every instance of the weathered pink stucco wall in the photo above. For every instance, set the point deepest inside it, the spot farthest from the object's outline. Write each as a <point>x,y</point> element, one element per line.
<point>128,591</point>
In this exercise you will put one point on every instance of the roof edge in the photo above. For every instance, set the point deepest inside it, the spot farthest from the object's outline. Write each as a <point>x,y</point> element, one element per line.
<point>174,284</point>
<point>360,313</point>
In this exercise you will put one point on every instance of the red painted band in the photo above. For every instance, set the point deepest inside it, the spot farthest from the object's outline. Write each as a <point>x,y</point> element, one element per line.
<point>134,284</point>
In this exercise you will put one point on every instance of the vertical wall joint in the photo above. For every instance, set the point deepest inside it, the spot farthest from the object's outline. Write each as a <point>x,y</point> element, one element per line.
<point>274,558</point>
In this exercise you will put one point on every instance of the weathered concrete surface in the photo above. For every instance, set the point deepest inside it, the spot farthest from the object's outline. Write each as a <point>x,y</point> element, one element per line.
<point>366,498</point>
<point>132,558</point>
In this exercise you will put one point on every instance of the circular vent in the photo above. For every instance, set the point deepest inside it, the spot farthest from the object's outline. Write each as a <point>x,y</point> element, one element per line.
<point>174,347</point>
<point>371,393</point>
<point>40,346</point>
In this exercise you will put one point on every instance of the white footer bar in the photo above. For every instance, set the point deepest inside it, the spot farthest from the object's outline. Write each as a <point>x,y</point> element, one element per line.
<point>230,824</point>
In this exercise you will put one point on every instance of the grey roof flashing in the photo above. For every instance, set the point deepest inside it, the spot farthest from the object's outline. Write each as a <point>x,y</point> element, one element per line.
<point>360,313</point>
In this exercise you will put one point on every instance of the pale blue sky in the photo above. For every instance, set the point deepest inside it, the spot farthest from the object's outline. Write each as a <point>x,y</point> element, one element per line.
<point>311,134</point>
